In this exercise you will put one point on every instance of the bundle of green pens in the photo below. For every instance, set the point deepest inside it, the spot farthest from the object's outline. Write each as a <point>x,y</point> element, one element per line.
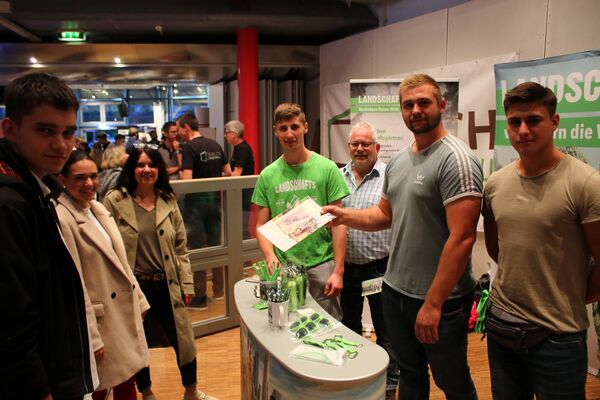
<point>264,274</point>
<point>294,280</point>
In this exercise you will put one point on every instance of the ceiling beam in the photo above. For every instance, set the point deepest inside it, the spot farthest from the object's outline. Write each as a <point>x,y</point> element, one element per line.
<point>5,22</point>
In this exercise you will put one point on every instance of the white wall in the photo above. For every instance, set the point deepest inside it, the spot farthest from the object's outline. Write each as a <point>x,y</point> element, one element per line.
<point>469,31</point>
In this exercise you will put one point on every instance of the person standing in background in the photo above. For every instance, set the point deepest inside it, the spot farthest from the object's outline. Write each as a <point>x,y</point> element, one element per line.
<point>241,163</point>
<point>366,252</point>
<point>170,151</point>
<point>112,160</point>
<point>132,138</point>
<point>202,158</point>
<point>99,147</point>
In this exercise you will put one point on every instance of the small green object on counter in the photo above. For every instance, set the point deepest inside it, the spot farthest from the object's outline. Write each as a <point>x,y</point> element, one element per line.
<point>261,305</point>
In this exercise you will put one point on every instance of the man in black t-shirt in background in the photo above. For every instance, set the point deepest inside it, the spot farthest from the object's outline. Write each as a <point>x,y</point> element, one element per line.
<point>241,163</point>
<point>202,158</point>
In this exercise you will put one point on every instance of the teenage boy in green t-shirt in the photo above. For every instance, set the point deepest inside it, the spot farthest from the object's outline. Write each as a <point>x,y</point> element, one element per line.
<point>298,173</point>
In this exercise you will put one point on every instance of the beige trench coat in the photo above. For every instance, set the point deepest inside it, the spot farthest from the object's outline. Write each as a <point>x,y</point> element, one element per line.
<point>115,321</point>
<point>173,249</point>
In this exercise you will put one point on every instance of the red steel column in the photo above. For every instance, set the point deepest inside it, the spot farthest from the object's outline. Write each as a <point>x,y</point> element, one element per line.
<point>247,59</point>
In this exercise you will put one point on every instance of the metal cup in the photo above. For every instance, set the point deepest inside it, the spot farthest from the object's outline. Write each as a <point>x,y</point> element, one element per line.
<point>278,313</point>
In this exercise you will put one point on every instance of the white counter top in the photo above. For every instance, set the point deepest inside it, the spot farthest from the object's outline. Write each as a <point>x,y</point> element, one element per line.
<point>371,361</point>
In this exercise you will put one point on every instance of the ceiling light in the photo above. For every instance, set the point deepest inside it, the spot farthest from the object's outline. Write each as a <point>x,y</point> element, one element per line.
<point>33,60</point>
<point>117,60</point>
<point>174,85</point>
<point>175,91</point>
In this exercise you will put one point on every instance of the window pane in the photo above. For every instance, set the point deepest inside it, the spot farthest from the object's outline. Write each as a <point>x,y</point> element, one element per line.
<point>141,113</point>
<point>112,112</point>
<point>210,294</point>
<point>202,214</point>
<point>90,113</point>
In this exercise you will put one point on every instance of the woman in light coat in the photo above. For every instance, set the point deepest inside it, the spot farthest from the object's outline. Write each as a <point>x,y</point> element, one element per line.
<point>95,244</point>
<point>146,211</point>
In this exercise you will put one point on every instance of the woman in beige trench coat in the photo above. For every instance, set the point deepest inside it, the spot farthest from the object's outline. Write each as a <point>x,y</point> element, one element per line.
<point>117,303</point>
<point>145,208</point>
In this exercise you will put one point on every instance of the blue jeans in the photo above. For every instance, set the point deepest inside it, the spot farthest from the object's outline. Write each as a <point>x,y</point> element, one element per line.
<point>352,301</point>
<point>447,358</point>
<point>553,369</point>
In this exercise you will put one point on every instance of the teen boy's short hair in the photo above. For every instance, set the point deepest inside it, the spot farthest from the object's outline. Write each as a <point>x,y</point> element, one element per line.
<point>28,92</point>
<point>286,111</point>
<point>531,92</point>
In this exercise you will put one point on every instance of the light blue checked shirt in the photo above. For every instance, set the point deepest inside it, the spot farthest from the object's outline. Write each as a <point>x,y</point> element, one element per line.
<point>363,247</point>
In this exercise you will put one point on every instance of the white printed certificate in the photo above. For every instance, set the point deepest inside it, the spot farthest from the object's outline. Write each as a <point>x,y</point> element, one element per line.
<point>293,225</point>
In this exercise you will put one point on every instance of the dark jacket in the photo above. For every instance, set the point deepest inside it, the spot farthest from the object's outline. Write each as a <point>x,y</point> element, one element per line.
<point>44,343</point>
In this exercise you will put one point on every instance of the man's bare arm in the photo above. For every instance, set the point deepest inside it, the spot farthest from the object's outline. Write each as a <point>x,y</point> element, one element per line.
<point>263,216</point>
<point>237,171</point>
<point>335,282</point>
<point>186,174</point>
<point>490,230</point>
<point>461,216</point>
<point>371,219</point>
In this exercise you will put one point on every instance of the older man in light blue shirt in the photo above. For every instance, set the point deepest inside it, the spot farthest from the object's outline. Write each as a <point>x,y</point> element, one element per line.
<point>366,252</point>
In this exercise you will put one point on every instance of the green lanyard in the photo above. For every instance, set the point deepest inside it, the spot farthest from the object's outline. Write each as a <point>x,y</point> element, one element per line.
<point>336,343</point>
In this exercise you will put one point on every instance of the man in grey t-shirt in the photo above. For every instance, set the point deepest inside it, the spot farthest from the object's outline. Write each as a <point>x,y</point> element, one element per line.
<point>431,200</point>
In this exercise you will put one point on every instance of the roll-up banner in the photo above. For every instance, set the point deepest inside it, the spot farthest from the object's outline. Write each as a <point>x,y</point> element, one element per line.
<point>575,79</point>
<point>377,101</point>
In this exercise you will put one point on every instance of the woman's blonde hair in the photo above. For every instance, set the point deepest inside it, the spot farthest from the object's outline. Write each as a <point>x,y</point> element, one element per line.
<point>111,158</point>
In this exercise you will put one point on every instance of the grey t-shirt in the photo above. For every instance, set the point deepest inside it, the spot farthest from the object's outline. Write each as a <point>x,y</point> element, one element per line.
<point>418,186</point>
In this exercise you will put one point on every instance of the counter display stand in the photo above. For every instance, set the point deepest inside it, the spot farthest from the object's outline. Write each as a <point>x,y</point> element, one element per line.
<point>269,373</point>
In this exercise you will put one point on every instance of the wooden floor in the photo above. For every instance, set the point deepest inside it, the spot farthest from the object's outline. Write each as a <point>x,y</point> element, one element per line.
<point>219,369</point>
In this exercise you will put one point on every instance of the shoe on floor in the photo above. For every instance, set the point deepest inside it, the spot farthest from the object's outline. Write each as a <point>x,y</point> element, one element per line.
<point>199,395</point>
<point>198,303</point>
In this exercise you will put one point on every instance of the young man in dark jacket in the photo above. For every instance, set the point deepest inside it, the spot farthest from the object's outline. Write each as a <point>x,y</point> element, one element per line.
<point>44,345</point>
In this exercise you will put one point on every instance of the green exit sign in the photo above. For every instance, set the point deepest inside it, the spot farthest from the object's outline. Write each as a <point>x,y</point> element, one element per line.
<point>71,36</point>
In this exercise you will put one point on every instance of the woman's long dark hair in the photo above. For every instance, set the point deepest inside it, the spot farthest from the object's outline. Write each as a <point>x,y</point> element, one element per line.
<point>127,178</point>
<point>75,156</point>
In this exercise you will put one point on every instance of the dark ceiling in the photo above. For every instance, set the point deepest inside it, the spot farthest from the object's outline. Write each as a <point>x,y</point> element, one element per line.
<point>304,22</point>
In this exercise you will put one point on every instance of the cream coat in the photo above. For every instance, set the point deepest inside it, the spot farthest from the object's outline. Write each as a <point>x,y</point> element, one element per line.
<point>173,249</point>
<point>118,303</point>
